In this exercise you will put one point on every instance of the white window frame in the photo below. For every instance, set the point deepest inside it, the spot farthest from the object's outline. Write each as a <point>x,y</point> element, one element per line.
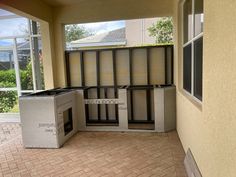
<point>18,88</point>
<point>191,41</point>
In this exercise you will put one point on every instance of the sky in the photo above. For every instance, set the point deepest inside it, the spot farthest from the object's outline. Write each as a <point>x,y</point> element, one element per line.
<point>16,26</point>
<point>11,27</point>
<point>101,27</point>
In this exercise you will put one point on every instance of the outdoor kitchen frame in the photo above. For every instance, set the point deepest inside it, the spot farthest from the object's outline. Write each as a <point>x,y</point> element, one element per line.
<point>131,87</point>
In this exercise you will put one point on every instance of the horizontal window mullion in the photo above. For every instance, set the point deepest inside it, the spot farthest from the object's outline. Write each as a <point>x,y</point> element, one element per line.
<point>186,44</point>
<point>194,39</point>
<point>197,37</point>
<point>192,96</point>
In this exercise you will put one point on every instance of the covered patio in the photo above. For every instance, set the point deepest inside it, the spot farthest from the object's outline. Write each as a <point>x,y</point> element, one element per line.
<point>203,74</point>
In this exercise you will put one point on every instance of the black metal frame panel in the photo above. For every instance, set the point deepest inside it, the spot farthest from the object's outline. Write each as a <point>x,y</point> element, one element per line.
<point>169,64</point>
<point>107,118</point>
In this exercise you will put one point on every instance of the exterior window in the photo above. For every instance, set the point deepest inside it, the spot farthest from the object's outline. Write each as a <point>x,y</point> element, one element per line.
<point>21,61</point>
<point>192,47</point>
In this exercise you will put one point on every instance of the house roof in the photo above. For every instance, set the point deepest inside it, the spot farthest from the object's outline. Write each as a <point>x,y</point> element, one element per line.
<point>110,38</point>
<point>20,46</point>
<point>7,50</point>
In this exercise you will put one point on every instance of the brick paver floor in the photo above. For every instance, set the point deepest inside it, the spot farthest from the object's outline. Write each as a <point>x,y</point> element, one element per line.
<point>105,154</point>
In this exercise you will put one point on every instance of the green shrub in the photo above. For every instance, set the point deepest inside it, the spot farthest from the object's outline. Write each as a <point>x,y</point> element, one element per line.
<point>8,80</point>
<point>7,99</point>
<point>27,78</point>
<point>8,76</point>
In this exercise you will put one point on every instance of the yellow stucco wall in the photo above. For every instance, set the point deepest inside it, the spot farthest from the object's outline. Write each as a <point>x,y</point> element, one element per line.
<point>94,10</point>
<point>36,9</point>
<point>209,129</point>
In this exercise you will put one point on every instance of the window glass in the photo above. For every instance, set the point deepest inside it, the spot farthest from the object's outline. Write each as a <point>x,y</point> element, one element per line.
<point>188,20</point>
<point>14,31</point>
<point>198,68</point>
<point>198,16</point>
<point>13,27</point>
<point>7,71</point>
<point>6,44</point>
<point>187,68</point>
<point>25,64</point>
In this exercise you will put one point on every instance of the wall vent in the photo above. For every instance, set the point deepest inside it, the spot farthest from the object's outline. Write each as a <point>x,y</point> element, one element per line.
<point>191,165</point>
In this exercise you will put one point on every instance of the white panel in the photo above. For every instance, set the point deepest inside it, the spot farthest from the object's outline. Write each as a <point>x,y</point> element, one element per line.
<point>157,66</point>
<point>90,68</point>
<point>139,105</point>
<point>122,64</point>
<point>75,70</point>
<point>106,68</point>
<point>139,67</point>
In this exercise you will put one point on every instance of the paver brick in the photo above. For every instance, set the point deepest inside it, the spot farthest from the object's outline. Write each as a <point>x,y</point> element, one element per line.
<point>93,154</point>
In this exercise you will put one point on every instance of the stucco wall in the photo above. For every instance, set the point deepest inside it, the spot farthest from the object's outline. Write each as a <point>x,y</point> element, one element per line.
<point>209,129</point>
<point>94,10</point>
<point>36,9</point>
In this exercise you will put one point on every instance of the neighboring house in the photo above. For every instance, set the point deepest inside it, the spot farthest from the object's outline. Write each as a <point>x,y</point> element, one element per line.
<point>107,39</point>
<point>23,54</point>
<point>135,33</point>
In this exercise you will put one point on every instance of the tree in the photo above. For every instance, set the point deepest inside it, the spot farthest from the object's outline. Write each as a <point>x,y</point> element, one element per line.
<point>162,30</point>
<point>75,32</point>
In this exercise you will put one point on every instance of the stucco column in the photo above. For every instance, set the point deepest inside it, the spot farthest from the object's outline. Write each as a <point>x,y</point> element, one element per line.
<point>48,54</point>
<point>59,45</point>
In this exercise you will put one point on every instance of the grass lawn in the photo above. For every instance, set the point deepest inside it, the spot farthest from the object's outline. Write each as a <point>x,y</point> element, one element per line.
<point>15,109</point>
